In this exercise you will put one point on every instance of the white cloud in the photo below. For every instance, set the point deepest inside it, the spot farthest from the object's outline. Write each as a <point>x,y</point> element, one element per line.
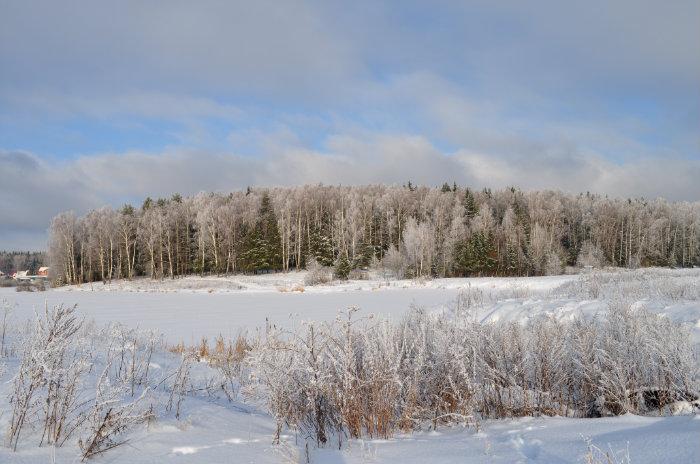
<point>222,48</point>
<point>598,96</point>
<point>36,190</point>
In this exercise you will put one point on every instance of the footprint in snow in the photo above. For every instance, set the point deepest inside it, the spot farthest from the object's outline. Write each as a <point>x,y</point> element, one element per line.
<point>529,449</point>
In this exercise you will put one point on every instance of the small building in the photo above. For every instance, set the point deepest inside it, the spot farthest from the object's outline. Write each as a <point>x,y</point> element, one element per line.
<point>43,271</point>
<point>21,275</point>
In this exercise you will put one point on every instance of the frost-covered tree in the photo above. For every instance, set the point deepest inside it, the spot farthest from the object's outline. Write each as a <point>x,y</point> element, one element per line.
<point>455,233</point>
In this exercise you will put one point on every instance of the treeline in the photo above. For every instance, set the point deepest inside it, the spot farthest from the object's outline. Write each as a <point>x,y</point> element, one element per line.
<point>11,261</point>
<point>407,230</point>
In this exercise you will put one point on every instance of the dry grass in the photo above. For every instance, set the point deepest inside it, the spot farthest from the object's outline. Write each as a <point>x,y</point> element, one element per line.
<point>369,378</point>
<point>295,288</point>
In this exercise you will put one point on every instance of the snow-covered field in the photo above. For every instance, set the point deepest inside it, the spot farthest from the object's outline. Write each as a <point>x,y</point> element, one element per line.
<point>213,430</point>
<point>190,308</point>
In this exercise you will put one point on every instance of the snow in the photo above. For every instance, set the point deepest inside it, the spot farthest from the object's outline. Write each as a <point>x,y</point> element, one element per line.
<point>218,433</point>
<point>189,316</point>
<point>215,431</point>
<point>541,440</point>
<point>294,282</point>
<point>191,308</point>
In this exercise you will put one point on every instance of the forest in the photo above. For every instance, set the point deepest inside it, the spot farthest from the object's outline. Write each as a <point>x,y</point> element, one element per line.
<point>406,230</point>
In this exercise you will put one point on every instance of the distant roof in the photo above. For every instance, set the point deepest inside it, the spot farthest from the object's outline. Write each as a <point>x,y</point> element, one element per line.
<point>43,268</point>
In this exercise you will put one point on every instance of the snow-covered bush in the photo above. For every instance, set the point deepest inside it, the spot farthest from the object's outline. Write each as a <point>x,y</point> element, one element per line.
<point>371,378</point>
<point>395,262</point>
<point>110,416</point>
<point>665,284</point>
<point>6,309</point>
<point>228,360</point>
<point>52,390</point>
<point>358,274</point>
<point>317,274</point>
<point>553,264</point>
<point>46,386</point>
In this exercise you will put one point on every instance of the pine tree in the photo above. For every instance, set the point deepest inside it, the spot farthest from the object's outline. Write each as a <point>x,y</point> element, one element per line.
<point>342,267</point>
<point>147,204</point>
<point>470,207</point>
<point>476,256</point>
<point>511,260</point>
<point>321,248</point>
<point>485,258</point>
<point>364,257</point>
<point>262,250</point>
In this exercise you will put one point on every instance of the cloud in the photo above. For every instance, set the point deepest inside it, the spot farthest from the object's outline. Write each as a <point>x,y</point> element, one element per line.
<point>213,47</point>
<point>33,191</point>
<point>149,98</point>
<point>321,53</point>
<point>37,190</point>
<point>146,104</point>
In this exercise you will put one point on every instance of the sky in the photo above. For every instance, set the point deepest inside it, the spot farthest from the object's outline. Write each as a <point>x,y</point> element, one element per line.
<point>103,103</point>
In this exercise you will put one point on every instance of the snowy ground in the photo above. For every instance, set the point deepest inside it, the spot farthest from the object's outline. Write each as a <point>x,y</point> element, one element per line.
<point>294,282</point>
<point>190,308</point>
<point>216,431</point>
<point>218,434</point>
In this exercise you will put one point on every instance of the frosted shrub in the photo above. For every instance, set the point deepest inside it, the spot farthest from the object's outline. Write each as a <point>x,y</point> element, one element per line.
<point>110,416</point>
<point>180,383</point>
<point>363,377</point>
<point>395,262</point>
<point>5,312</point>
<point>317,274</point>
<point>665,284</point>
<point>294,380</point>
<point>228,360</point>
<point>47,383</point>
<point>51,392</point>
<point>590,256</point>
<point>129,354</point>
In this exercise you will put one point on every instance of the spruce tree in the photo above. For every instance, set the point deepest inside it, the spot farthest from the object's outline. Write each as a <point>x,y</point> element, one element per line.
<point>342,267</point>
<point>511,260</point>
<point>262,250</point>
<point>470,208</point>
<point>147,204</point>
<point>364,258</point>
<point>321,248</point>
<point>476,256</point>
<point>486,256</point>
